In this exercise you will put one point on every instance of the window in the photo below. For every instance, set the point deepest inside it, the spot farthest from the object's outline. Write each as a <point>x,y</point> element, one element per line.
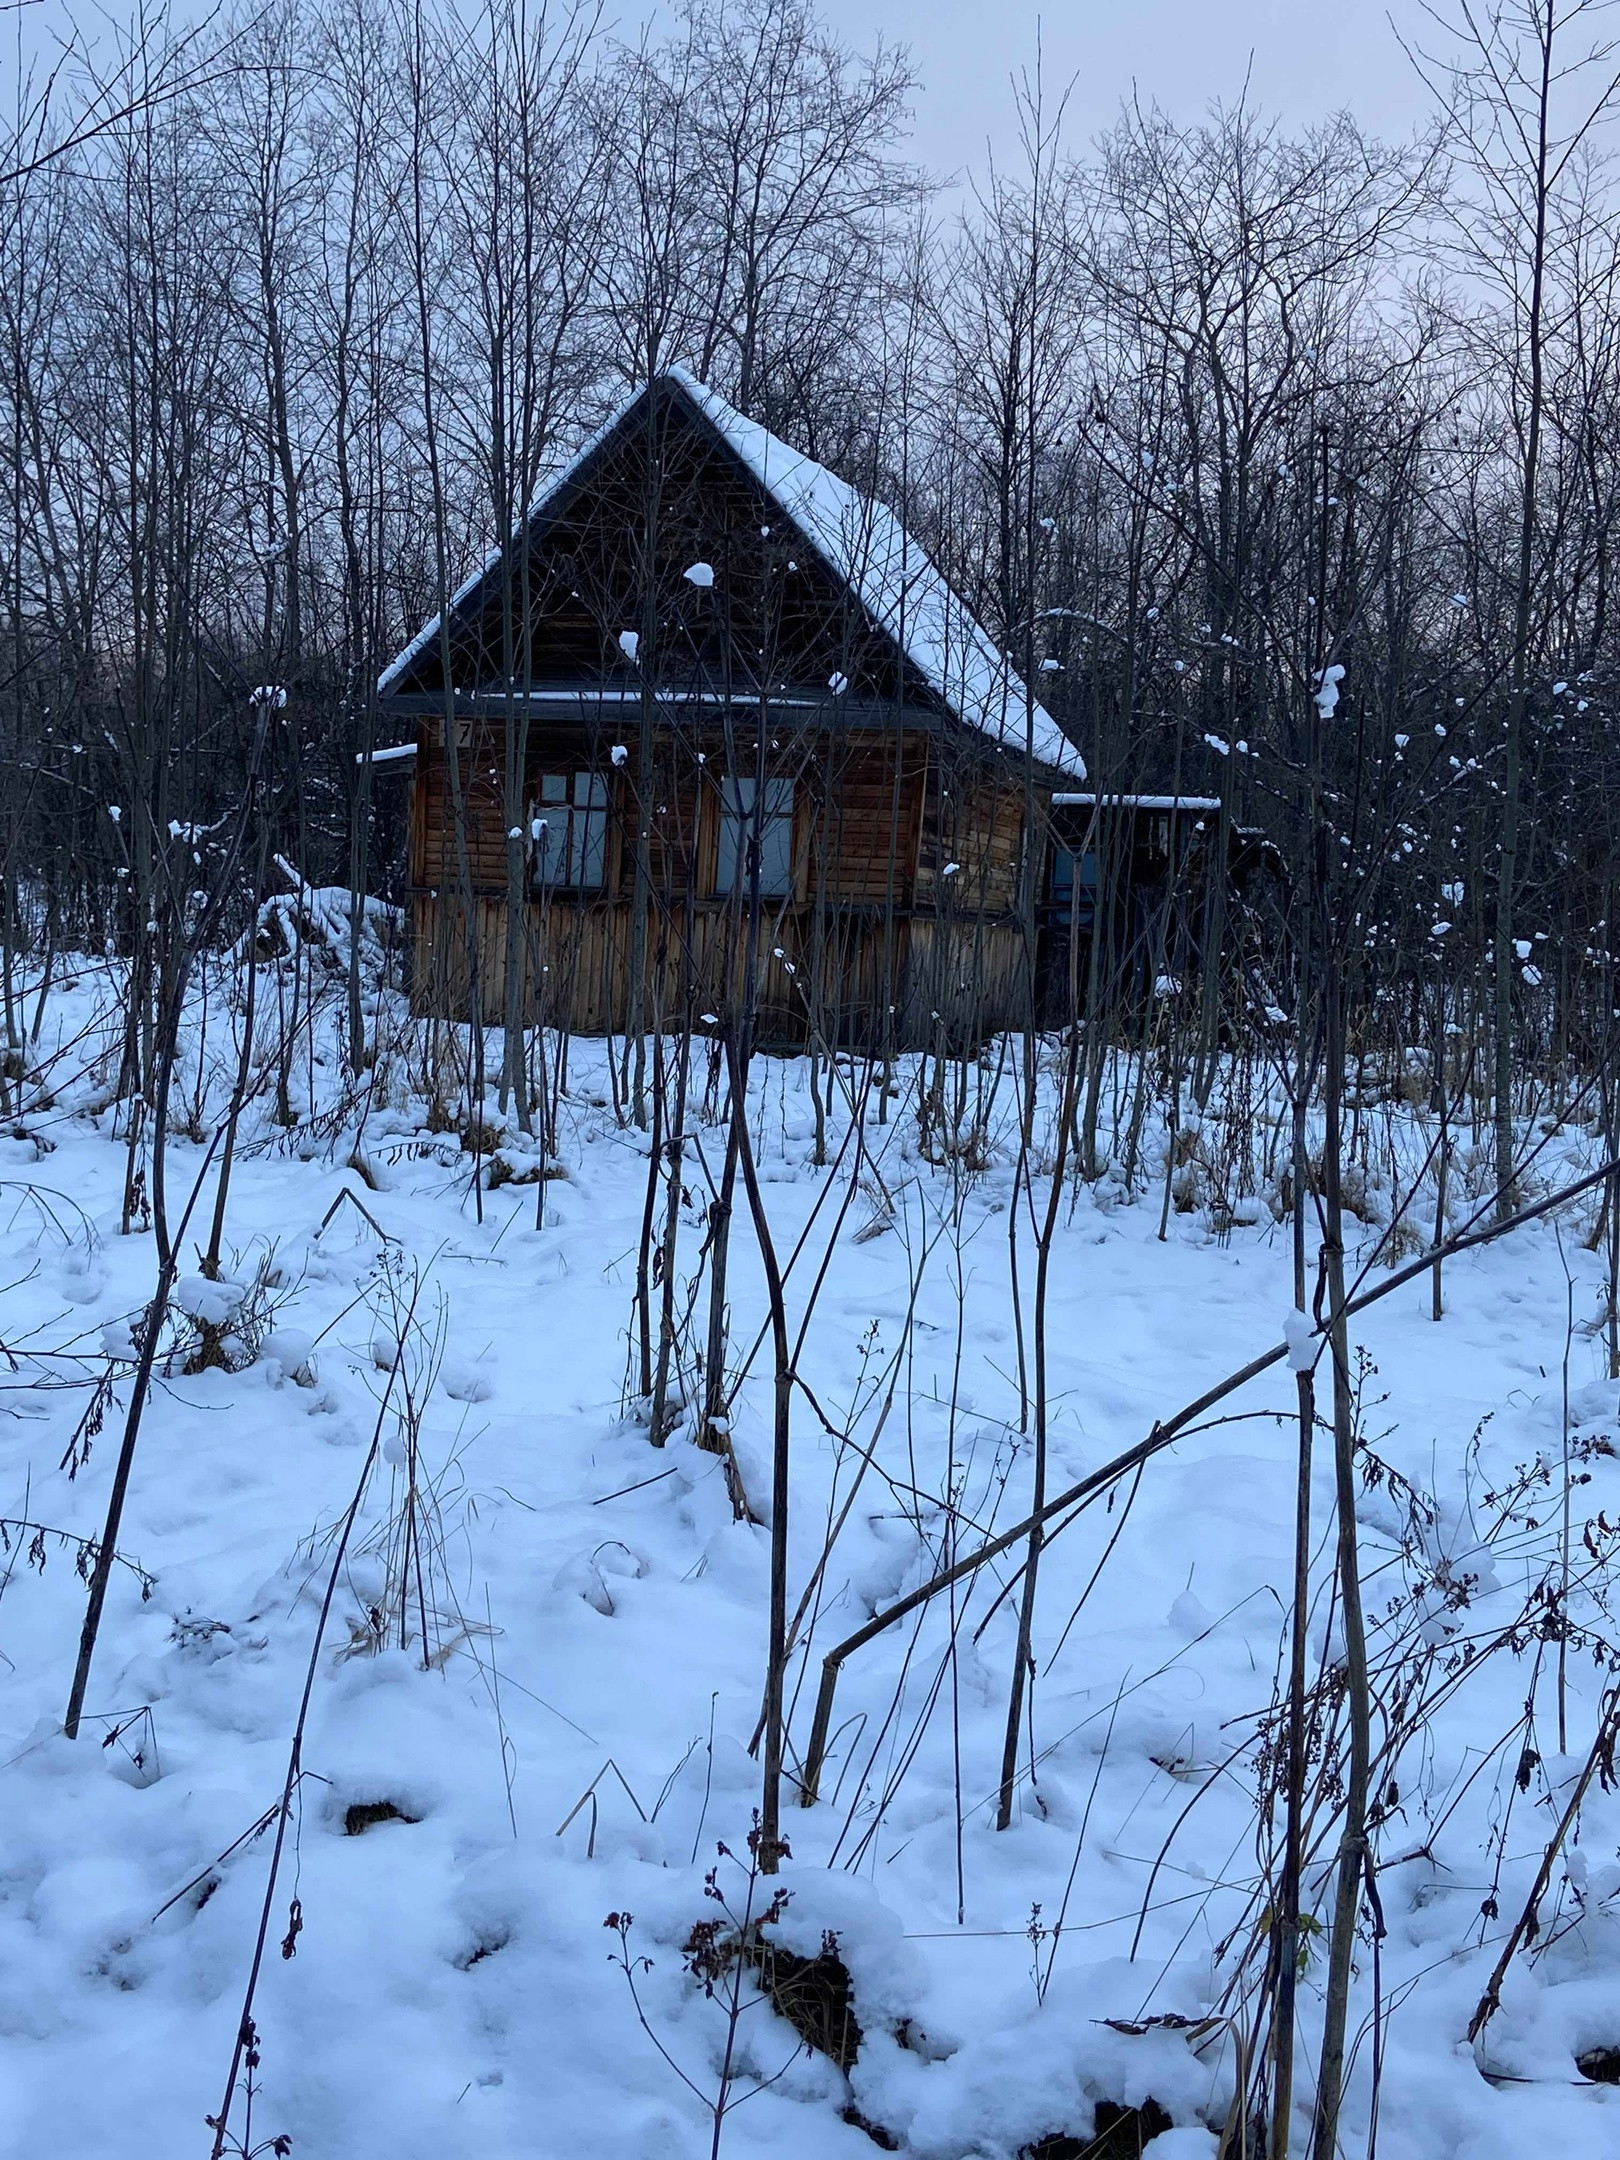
<point>1073,891</point>
<point>747,814</point>
<point>569,829</point>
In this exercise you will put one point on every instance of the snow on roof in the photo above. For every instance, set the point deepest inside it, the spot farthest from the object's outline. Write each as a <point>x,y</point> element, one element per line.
<point>1138,802</point>
<point>866,545</point>
<point>869,548</point>
<point>430,630</point>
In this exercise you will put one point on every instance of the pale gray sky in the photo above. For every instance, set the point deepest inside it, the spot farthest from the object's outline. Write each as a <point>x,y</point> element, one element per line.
<point>1304,59</point>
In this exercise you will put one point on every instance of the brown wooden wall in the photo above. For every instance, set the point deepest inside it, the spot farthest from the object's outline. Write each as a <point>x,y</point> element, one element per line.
<point>826,975</point>
<point>973,818</point>
<point>872,923</point>
<point>865,843</point>
<point>859,807</point>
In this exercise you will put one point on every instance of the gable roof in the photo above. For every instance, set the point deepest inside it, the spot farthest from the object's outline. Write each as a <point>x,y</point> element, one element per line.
<point>867,549</point>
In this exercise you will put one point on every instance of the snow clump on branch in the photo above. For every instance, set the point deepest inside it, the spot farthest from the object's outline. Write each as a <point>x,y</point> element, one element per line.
<point>1326,692</point>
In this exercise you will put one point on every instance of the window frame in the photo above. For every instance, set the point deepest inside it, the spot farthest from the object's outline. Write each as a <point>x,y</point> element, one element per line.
<point>585,806</point>
<point>777,825</point>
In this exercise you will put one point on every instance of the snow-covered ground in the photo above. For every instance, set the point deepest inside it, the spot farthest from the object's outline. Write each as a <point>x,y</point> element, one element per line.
<point>595,1619</point>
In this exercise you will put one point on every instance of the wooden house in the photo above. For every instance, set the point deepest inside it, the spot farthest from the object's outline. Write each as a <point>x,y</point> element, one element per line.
<point>713,736</point>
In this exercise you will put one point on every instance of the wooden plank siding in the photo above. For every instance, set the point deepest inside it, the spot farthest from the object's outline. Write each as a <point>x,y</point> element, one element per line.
<point>874,944</point>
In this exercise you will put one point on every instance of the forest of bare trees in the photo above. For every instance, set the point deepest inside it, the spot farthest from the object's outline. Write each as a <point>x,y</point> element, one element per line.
<point>296,324</point>
<point>1283,463</point>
